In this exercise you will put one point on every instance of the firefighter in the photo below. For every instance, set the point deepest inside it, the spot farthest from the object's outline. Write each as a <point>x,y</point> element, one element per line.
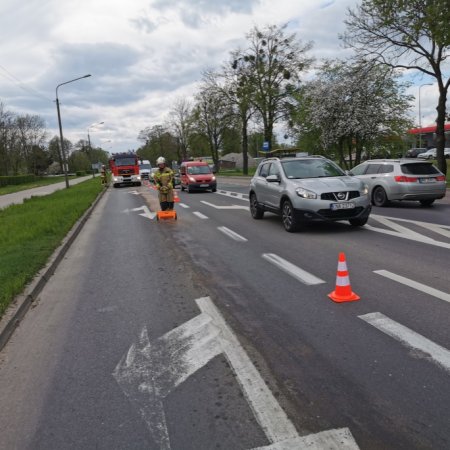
<point>164,179</point>
<point>103,175</point>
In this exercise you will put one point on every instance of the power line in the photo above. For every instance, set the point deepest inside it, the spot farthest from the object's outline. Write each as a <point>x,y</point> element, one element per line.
<point>19,83</point>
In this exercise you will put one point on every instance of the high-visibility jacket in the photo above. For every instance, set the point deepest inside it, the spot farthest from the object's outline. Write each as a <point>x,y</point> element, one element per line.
<point>164,182</point>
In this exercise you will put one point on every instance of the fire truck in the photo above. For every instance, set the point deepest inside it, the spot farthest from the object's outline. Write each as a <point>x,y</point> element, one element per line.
<point>124,169</point>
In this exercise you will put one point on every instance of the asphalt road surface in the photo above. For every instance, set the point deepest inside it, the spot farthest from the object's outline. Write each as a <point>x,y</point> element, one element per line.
<point>215,331</point>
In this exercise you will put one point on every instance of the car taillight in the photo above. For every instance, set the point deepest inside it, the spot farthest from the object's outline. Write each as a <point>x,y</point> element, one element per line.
<point>403,179</point>
<point>440,178</point>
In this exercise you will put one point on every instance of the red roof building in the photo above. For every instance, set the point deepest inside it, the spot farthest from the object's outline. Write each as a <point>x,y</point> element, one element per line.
<point>427,135</point>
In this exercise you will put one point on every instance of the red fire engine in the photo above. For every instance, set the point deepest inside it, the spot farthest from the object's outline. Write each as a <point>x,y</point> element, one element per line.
<point>124,169</point>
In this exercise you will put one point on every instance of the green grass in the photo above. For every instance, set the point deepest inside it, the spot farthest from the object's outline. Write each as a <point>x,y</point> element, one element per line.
<point>30,232</point>
<point>236,172</point>
<point>38,183</point>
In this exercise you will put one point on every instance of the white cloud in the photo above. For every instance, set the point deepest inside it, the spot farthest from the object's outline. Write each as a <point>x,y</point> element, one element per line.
<point>142,55</point>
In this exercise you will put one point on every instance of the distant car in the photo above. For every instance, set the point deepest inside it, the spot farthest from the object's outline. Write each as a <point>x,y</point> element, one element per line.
<point>413,152</point>
<point>432,154</point>
<point>401,179</point>
<point>176,178</point>
<point>152,172</point>
<point>429,154</point>
<point>310,188</point>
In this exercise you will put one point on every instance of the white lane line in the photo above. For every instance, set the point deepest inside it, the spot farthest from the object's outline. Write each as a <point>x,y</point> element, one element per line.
<point>276,425</point>
<point>266,408</point>
<point>439,355</point>
<point>232,234</point>
<point>200,215</point>
<point>414,284</point>
<point>225,207</point>
<point>291,269</point>
<point>183,205</point>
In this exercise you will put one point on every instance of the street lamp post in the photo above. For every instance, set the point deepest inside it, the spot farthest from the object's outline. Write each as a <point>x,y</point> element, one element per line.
<point>89,143</point>
<point>420,115</point>
<point>63,153</point>
<point>89,127</point>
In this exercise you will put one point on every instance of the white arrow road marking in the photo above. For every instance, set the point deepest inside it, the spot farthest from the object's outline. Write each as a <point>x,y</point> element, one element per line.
<point>147,213</point>
<point>225,207</point>
<point>150,371</point>
<point>443,230</point>
<point>414,284</point>
<point>405,233</point>
<point>237,195</point>
<point>232,234</point>
<point>183,205</point>
<point>439,355</point>
<point>134,192</point>
<point>291,269</point>
<point>200,215</point>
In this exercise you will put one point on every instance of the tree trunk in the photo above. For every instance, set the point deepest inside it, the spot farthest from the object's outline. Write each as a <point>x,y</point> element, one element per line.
<point>440,130</point>
<point>244,147</point>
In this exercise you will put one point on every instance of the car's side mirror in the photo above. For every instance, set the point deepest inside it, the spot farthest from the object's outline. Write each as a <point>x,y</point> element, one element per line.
<point>349,172</point>
<point>273,179</point>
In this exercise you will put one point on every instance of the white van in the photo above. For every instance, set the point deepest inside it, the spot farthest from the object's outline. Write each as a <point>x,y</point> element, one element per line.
<point>144,169</point>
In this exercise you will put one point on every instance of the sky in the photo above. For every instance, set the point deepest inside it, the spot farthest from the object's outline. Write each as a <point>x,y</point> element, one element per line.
<point>143,56</point>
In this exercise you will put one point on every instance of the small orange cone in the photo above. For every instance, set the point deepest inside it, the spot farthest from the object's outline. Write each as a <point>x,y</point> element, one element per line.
<point>343,291</point>
<point>176,199</point>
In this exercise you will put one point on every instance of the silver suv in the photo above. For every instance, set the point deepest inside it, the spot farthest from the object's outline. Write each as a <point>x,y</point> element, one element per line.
<point>306,189</point>
<point>401,179</point>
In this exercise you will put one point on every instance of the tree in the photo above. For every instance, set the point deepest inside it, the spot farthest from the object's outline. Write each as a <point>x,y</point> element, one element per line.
<point>181,125</point>
<point>213,116</point>
<point>6,139</point>
<point>406,34</point>
<point>158,141</point>
<point>31,133</point>
<point>230,85</point>
<point>270,69</point>
<point>355,106</point>
<point>55,150</point>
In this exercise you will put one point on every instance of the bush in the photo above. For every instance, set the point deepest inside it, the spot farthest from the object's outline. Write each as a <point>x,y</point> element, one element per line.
<point>18,179</point>
<point>80,173</point>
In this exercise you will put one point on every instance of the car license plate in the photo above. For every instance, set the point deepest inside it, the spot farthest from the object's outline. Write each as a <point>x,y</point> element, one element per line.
<point>427,180</point>
<point>343,205</point>
<point>204,185</point>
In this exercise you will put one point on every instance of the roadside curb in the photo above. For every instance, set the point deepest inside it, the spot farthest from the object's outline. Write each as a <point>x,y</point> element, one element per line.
<point>24,301</point>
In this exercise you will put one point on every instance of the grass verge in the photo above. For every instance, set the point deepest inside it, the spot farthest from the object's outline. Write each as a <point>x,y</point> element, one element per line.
<point>38,183</point>
<point>236,172</point>
<point>30,232</point>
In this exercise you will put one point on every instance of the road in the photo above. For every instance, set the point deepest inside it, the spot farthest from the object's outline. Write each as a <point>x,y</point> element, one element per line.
<point>216,331</point>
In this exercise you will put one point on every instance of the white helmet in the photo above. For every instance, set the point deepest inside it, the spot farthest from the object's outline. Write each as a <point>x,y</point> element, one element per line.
<point>160,160</point>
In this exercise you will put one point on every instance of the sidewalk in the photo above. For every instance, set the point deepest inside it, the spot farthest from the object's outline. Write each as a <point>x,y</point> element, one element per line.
<point>18,197</point>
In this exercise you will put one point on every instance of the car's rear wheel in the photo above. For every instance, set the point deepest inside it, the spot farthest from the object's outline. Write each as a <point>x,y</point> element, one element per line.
<point>290,222</point>
<point>359,221</point>
<point>379,197</point>
<point>256,211</point>
<point>427,202</point>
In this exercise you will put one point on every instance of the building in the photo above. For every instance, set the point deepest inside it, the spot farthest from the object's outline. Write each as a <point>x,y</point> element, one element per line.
<point>427,136</point>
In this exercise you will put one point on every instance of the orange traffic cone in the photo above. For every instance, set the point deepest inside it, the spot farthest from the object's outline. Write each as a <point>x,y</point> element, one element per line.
<point>343,291</point>
<point>176,199</point>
